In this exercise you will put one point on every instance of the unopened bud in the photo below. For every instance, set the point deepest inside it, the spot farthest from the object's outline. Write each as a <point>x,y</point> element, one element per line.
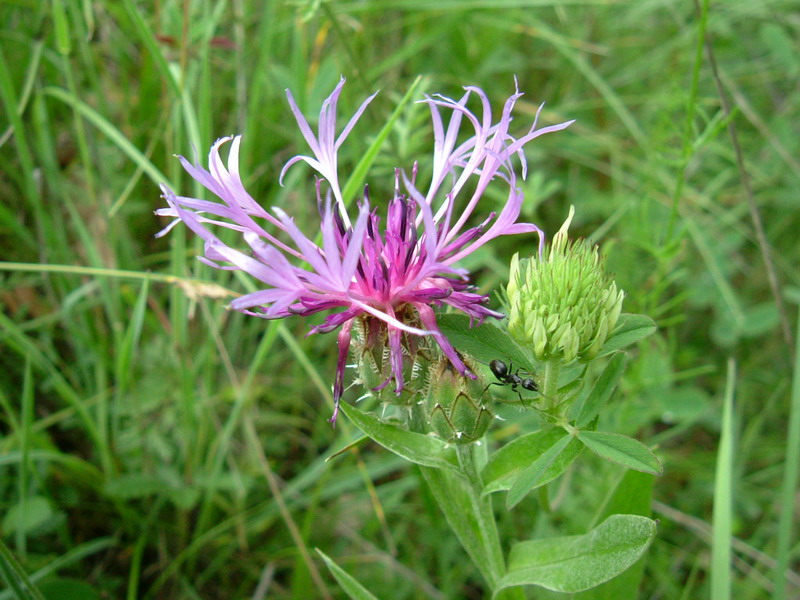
<point>457,407</point>
<point>563,305</point>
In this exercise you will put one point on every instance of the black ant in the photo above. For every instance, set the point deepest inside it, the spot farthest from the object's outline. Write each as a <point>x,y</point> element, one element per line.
<point>505,377</point>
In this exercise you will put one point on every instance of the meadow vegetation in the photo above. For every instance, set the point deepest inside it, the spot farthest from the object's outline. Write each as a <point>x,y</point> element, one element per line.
<point>155,444</point>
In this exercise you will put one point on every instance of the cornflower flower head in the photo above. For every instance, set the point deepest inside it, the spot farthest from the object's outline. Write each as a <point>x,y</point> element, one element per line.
<point>391,275</point>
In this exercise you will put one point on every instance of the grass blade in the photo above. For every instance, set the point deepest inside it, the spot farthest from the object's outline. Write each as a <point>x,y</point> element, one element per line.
<point>349,584</point>
<point>791,472</point>
<point>723,500</point>
<point>111,132</point>
<point>356,181</point>
<point>15,576</point>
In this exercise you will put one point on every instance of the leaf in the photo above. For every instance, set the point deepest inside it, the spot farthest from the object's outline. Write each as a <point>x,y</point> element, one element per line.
<point>348,583</point>
<point>463,514</point>
<point>505,465</point>
<point>64,588</point>
<point>420,449</point>
<point>19,584</point>
<point>110,131</point>
<point>630,328</point>
<point>27,516</point>
<point>621,449</point>
<point>633,494</point>
<point>122,364</point>
<point>724,513</point>
<point>69,558</point>
<point>533,475</point>
<point>602,390</point>
<point>485,342</point>
<point>580,562</point>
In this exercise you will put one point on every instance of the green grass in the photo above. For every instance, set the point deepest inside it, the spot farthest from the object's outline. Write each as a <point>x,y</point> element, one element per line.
<point>156,445</point>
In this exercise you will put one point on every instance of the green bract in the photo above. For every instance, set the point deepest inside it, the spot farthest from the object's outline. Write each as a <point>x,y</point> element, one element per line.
<point>372,359</point>
<point>456,409</point>
<point>563,306</point>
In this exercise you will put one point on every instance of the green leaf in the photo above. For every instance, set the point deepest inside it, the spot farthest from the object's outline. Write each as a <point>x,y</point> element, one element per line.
<point>580,562</point>
<point>630,328</point>
<point>19,584</point>
<point>29,515</point>
<point>66,560</point>
<point>621,449</point>
<point>63,588</point>
<point>602,390</point>
<point>420,449</point>
<point>533,475</point>
<point>110,131</point>
<point>632,495</point>
<point>463,510</point>
<point>505,465</point>
<point>485,342</point>
<point>61,28</point>
<point>724,511</point>
<point>348,583</point>
<point>126,350</point>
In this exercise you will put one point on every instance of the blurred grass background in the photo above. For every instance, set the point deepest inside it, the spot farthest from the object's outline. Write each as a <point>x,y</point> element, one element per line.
<point>156,445</point>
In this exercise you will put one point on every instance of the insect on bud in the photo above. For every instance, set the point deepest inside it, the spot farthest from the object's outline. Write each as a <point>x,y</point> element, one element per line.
<point>563,305</point>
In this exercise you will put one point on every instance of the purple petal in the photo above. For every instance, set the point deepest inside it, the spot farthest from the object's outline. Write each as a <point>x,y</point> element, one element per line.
<point>428,319</point>
<point>310,251</point>
<point>389,319</point>
<point>314,164</point>
<point>302,124</point>
<point>353,120</point>
<point>354,247</point>
<point>343,341</point>
<point>334,320</point>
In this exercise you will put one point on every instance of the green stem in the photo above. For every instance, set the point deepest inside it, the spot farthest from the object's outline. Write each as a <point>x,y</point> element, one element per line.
<point>483,514</point>
<point>552,369</point>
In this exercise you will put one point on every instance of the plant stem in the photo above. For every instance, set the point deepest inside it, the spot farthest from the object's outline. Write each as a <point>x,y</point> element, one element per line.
<point>483,514</point>
<point>552,370</point>
<point>484,517</point>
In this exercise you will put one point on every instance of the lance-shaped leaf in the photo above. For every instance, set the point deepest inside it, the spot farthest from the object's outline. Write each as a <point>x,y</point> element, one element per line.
<point>633,495</point>
<point>602,390</point>
<point>349,584</point>
<point>415,447</point>
<point>534,474</point>
<point>580,562</point>
<point>621,449</point>
<point>467,516</point>
<point>630,328</point>
<point>508,462</point>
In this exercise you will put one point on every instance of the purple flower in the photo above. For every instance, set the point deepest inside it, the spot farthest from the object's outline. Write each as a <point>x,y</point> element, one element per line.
<point>395,273</point>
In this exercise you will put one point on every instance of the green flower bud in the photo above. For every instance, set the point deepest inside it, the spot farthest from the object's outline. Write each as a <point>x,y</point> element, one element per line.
<point>456,408</point>
<point>563,306</point>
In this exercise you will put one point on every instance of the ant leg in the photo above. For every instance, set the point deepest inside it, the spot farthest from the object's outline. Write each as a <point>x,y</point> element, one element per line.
<point>522,401</point>
<point>490,385</point>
